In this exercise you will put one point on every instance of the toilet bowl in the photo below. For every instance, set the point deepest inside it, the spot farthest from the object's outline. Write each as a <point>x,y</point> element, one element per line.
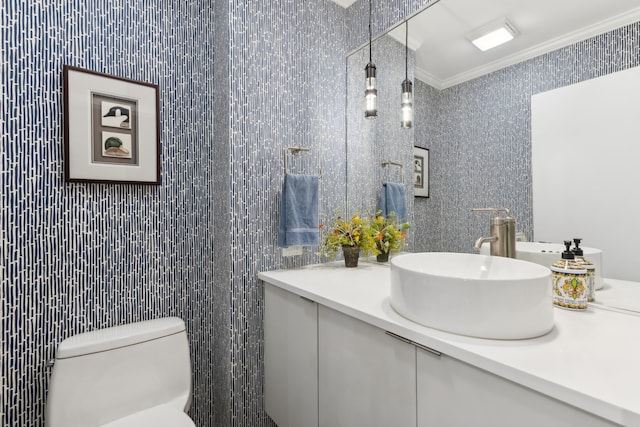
<point>137,374</point>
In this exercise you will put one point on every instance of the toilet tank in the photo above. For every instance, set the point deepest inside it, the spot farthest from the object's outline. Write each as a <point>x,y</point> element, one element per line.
<point>107,374</point>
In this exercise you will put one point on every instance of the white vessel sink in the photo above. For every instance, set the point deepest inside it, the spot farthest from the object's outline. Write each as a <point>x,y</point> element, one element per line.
<point>475,295</point>
<point>548,253</point>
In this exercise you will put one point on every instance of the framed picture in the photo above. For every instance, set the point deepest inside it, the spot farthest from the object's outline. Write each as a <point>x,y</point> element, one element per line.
<point>111,129</point>
<point>421,171</point>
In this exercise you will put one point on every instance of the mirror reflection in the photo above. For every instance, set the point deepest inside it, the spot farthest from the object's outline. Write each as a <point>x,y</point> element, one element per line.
<point>473,109</point>
<point>374,143</point>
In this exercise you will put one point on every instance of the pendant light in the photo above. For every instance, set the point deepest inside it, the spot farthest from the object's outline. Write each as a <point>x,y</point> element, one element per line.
<point>370,93</point>
<point>406,106</point>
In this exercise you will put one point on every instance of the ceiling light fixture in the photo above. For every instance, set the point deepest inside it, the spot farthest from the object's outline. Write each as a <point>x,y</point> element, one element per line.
<point>493,34</point>
<point>370,93</point>
<point>406,106</point>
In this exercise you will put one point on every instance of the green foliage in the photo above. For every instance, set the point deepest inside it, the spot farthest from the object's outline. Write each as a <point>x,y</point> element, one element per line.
<point>347,232</point>
<point>373,235</point>
<point>388,233</point>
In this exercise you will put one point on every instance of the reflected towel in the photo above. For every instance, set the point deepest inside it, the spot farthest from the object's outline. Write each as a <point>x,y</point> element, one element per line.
<point>299,211</point>
<point>393,198</point>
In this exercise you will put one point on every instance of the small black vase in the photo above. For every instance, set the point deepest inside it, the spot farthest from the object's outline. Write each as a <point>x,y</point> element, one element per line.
<point>383,257</point>
<point>351,255</point>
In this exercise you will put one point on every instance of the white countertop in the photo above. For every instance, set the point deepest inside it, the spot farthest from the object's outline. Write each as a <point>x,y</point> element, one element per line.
<point>619,294</point>
<point>590,359</point>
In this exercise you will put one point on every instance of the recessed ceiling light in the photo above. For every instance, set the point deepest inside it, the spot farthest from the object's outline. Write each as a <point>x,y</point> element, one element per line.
<point>492,35</point>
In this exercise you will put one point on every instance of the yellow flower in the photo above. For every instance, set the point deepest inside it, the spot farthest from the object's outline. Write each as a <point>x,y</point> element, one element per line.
<point>356,219</point>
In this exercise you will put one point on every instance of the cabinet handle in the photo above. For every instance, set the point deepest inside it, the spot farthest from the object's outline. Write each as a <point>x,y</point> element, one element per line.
<point>307,299</point>
<point>420,346</point>
<point>398,337</point>
<point>428,349</point>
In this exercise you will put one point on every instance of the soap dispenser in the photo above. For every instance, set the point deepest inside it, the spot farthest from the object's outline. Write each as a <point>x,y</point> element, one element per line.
<point>569,280</point>
<point>589,266</point>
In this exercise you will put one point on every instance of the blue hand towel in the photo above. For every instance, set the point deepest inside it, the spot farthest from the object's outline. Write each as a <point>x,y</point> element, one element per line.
<point>299,211</point>
<point>393,198</point>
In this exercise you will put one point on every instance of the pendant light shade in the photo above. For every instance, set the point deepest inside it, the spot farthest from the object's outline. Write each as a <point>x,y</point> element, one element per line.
<point>370,92</point>
<point>406,104</point>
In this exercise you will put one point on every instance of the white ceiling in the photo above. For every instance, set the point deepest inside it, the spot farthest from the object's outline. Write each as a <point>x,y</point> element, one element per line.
<point>445,57</point>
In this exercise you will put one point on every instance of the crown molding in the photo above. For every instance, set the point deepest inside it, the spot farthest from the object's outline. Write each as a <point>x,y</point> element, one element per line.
<point>428,78</point>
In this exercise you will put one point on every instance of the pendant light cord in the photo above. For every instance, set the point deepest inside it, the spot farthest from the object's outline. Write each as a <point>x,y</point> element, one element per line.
<point>406,50</point>
<point>369,30</point>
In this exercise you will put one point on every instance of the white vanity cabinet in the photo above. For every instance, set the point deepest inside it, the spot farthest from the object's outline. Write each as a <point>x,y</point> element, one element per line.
<point>325,368</point>
<point>332,363</point>
<point>367,378</point>
<point>290,358</point>
<point>454,394</point>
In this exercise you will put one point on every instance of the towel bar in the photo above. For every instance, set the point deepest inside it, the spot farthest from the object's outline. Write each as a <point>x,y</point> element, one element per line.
<point>294,150</point>
<point>386,163</point>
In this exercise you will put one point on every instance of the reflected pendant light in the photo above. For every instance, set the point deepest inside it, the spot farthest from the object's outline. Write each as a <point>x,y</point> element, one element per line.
<point>406,106</point>
<point>370,93</point>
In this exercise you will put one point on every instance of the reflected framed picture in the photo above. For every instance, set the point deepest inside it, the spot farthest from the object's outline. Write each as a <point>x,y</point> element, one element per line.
<point>421,171</point>
<point>111,129</point>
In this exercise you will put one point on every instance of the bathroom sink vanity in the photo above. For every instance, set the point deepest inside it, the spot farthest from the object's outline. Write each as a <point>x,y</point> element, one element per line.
<point>337,354</point>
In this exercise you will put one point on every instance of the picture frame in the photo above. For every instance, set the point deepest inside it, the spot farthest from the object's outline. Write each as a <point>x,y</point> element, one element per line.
<point>111,128</point>
<point>421,171</point>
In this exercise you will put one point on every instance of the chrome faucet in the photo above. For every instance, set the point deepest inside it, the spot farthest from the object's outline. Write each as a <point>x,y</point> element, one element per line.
<point>502,232</point>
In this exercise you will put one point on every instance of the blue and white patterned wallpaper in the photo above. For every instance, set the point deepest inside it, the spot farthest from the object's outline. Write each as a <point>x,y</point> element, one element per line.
<point>427,217</point>
<point>76,257</point>
<point>384,15</point>
<point>479,135</point>
<point>220,391</point>
<point>287,89</point>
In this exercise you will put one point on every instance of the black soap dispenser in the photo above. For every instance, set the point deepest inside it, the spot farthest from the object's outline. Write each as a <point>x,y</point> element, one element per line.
<point>589,266</point>
<point>569,281</point>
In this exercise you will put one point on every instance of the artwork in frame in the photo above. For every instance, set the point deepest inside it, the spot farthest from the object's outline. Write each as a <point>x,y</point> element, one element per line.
<point>421,172</point>
<point>111,128</point>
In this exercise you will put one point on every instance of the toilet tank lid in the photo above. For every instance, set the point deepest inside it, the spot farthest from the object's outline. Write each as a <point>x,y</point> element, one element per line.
<point>118,336</point>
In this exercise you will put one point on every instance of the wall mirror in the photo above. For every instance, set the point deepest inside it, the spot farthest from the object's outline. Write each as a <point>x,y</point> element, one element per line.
<point>373,142</point>
<point>480,148</point>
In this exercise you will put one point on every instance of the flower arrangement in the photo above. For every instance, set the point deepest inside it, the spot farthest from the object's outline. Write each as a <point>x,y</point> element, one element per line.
<point>388,234</point>
<point>353,232</point>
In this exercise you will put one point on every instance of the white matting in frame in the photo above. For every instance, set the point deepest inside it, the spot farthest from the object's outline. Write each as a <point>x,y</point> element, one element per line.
<point>111,129</point>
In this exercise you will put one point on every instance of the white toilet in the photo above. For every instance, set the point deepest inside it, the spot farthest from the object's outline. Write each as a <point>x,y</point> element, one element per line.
<point>131,375</point>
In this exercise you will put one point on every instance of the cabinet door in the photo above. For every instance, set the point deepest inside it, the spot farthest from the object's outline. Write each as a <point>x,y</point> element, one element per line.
<point>290,358</point>
<point>366,377</point>
<point>454,394</point>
